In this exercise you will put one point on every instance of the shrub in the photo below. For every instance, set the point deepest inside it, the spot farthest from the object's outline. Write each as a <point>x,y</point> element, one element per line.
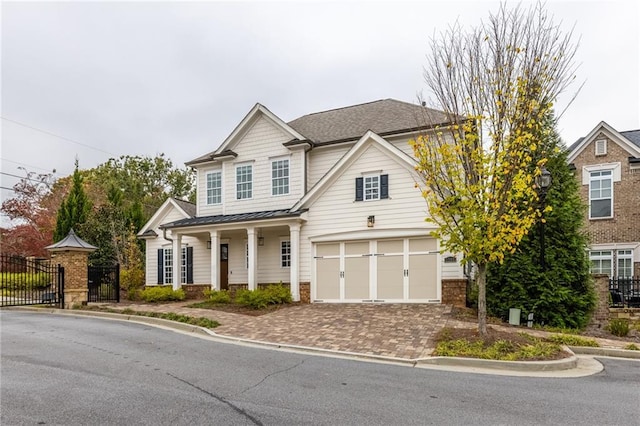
<point>571,340</point>
<point>256,299</point>
<point>278,294</point>
<point>632,347</point>
<point>217,296</point>
<point>618,327</point>
<point>24,281</point>
<point>274,294</point>
<point>131,279</point>
<point>161,294</point>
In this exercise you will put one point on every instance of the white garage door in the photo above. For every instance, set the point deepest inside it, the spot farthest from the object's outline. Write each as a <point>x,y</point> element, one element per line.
<point>390,270</point>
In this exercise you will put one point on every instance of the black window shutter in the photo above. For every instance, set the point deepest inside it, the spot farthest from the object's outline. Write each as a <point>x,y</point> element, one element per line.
<point>359,191</point>
<point>189,265</point>
<point>160,266</point>
<point>384,186</point>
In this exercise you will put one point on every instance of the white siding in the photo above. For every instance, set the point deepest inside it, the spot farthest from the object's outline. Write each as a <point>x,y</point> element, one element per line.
<point>153,244</point>
<point>262,142</point>
<point>337,211</point>
<point>322,159</point>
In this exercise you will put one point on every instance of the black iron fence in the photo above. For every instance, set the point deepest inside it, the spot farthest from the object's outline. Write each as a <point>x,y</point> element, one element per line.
<point>624,292</point>
<point>30,281</point>
<point>104,283</point>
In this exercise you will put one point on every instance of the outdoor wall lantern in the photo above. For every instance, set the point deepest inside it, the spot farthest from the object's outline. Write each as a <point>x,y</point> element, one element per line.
<point>371,220</point>
<point>209,245</point>
<point>260,241</point>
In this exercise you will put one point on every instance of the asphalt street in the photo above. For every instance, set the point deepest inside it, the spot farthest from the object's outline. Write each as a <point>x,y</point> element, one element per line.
<point>71,370</point>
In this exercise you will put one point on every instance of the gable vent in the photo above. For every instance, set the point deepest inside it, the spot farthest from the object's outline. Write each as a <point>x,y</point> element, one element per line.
<point>601,147</point>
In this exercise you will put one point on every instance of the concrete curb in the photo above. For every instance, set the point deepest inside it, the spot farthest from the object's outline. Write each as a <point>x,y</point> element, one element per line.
<point>612,352</point>
<point>513,366</point>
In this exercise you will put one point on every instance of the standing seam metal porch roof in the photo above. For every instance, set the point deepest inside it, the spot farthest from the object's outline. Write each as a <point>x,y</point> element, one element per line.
<point>232,218</point>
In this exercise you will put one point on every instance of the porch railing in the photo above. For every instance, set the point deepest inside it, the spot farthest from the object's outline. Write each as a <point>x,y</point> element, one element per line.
<point>624,292</point>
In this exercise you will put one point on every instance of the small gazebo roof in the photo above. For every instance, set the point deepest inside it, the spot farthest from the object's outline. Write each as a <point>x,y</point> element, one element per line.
<point>71,242</point>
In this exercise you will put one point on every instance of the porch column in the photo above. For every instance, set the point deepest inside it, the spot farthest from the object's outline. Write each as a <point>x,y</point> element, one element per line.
<point>253,250</point>
<point>215,260</point>
<point>294,270</point>
<point>177,261</point>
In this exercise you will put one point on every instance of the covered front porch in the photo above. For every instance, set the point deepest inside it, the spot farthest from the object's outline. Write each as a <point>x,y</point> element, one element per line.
<point>246,252</point>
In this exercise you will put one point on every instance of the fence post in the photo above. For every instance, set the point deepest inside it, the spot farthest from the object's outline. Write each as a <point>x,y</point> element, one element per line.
<point>72,254</point>
<point>600,315</point>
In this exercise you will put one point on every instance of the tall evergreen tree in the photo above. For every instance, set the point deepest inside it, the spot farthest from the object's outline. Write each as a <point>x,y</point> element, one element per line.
<point>74,209</point>
<point>548,274</point>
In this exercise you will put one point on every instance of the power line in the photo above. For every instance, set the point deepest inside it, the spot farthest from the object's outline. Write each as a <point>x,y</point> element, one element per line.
<point>57,136</point>
<point>8,189</point>
<point>20,177</point>
<point>23,164</point>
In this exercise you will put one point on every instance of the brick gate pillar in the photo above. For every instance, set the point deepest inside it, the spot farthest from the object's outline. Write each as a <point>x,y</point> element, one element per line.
<point>72,253</point>
<point>600,314</point>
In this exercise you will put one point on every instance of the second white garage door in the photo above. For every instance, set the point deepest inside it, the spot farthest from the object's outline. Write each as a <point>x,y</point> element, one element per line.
<point>392,270</point>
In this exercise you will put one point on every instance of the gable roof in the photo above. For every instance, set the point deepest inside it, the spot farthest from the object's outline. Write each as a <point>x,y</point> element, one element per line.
<point>628,140</point>
<point>185,208</point>
<point>368,139</point>
<point>384,117</point>
<point>226,148</point>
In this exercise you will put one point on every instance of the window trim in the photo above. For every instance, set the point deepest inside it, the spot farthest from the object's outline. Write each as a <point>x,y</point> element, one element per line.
<point>382,187</point>
<point>168,270</point>
<point>287,177</point>
<point>610,198</point>
<point>207,189</point>
<point>603,144</point>
<point>249,182</point>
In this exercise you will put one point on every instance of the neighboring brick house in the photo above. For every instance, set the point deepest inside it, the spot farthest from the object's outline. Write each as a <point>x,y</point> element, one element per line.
<point>607,164</point>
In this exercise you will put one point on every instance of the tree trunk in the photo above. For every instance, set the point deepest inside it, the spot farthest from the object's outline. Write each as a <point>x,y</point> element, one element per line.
<point>482,298</point>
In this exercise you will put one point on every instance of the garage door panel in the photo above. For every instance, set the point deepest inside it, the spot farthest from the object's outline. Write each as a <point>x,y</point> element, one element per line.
<point>422,244</point>
<point>356,248</point>
<point>422,276</point>
<point>390,246</point>
<point>328,279</point>
<point>328,249</point>
<point>390,283</point>
<point>356,278</point>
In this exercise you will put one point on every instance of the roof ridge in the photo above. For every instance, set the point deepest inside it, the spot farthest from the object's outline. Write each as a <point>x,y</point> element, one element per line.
<point>341,108</point>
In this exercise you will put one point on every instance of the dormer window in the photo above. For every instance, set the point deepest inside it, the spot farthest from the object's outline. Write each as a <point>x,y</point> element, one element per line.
<point>601,147</point>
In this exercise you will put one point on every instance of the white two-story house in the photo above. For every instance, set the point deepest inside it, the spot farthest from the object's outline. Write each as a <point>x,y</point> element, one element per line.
<point>326,204</point>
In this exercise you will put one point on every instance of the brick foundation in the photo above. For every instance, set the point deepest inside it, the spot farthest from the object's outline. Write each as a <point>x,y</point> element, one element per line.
<point>195,291</point>
<point>454,292</point>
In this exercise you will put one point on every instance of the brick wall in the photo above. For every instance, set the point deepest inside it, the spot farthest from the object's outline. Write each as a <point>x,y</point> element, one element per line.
<point>624,227</point>
<point>305,292</point>
<point>454,292</point>
<point>195,291</point>
<point>76,286</point>
<point>600,315</point>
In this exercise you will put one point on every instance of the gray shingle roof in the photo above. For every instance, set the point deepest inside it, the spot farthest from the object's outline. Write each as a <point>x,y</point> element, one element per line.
<point>386,116</point>
<point>230,218</point>
<point>189,208</point>
<point>633,136</point>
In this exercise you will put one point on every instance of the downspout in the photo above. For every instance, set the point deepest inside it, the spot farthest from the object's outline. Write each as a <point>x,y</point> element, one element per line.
<point>164,235</point>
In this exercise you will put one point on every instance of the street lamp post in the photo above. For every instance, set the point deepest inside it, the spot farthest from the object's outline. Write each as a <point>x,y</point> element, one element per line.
<point>543,182</point>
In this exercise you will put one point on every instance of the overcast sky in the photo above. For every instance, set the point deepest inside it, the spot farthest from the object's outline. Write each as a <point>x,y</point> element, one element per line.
<point>103,79</point>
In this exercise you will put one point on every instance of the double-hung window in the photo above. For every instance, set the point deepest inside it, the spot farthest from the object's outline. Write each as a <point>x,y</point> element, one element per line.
<point>244,182</point>
<point>214,188</point>
<point>625,264</point>
<point>280,177</point>
<point>285,253</point>
<point>166,268</point>
<point>601,262</point>
<point>372,187</point>
<point>600,194</point>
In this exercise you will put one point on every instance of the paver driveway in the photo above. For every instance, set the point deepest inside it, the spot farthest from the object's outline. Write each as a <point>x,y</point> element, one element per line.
<point>392,330</point>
